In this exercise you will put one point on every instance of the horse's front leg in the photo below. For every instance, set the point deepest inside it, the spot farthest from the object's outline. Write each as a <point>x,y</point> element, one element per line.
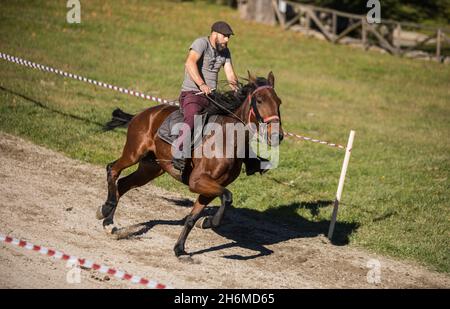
<point>189,223</point>
<point>214,221</point>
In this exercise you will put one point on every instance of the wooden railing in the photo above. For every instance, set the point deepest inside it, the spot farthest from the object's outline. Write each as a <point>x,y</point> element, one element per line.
<point>385,34</point>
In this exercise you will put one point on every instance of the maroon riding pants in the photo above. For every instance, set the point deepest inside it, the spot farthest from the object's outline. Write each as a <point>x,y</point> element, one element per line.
<point>192,105</point>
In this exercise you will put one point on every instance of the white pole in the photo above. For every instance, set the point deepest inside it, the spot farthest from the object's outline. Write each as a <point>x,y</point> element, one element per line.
<point>348,152</point>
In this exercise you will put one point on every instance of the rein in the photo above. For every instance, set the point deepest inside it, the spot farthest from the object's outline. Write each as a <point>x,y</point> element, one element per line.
<point>253,108</point>
<point>225,109</point>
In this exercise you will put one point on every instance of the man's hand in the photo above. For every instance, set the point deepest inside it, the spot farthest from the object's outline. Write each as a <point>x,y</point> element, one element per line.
<point>205,88</point>
<point>234,87</point>
<point>231,76</point>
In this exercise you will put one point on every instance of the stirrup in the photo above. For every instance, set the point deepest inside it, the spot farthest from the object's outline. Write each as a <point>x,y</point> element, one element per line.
<point>179,163</point>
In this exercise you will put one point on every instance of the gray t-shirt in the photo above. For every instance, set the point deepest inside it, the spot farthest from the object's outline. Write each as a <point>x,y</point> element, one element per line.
<point>209,64</point>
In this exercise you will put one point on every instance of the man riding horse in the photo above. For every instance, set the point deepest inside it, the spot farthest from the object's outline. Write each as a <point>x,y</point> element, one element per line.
<point>206,56</point>
<point>259,107</point>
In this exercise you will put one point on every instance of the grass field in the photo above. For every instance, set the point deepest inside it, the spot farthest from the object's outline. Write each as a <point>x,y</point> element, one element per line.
<point>396,196</point>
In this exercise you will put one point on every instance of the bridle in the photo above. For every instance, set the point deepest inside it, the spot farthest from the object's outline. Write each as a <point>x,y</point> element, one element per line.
<point>254,109</point>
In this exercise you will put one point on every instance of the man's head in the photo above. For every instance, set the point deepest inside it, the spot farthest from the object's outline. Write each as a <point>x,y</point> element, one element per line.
<point>220,33</point>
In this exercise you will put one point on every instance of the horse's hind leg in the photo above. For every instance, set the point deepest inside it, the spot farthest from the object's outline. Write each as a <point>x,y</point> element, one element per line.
<point>113,170</point>
<point>147,171</point>
<point>109,206</point>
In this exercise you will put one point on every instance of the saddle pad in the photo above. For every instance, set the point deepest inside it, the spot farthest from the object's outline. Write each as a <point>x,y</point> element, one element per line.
<point>164,131</point>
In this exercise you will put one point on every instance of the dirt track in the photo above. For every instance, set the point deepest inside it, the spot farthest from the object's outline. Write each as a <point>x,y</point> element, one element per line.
<point>51,200</point>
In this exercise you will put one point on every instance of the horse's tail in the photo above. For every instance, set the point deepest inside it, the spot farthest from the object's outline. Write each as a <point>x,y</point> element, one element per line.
<point>119,119</point>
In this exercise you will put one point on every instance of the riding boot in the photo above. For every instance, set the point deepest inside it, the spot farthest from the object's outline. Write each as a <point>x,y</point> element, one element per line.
<point>253,165</point>
<point>179,163</point>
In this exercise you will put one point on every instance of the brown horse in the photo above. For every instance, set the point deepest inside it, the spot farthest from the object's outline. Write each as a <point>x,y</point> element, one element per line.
<point>207,177</point>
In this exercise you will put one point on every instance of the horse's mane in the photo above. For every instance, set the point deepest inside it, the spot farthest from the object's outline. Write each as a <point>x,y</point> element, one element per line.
<point>233,100</point>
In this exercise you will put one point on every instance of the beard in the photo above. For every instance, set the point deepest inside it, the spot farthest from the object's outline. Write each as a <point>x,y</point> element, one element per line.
<point>220,46</point>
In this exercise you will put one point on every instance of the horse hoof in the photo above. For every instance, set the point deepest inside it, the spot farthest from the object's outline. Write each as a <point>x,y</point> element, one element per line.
<point>179,252</point>
<point>204,222</point>
<point>187,259</point>
<point>110,229</point>
<point>104,210</point>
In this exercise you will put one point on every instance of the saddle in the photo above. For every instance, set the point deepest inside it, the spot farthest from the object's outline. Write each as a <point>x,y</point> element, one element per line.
<point>252,165</point>
<point>176,117</point>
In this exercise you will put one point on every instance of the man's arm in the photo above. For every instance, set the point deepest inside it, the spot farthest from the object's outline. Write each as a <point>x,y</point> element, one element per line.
<point>231,75</point>
<point>192,69</point>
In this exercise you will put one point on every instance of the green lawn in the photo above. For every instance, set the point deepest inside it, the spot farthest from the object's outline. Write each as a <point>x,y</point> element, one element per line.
<point>396,196</point>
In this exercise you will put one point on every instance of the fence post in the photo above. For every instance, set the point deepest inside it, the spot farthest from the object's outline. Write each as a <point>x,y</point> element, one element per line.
<point>398,33</point>
<point>348,152</point>
<point>438,45</point>
<point>334,30</point>
<point>308,21</point>
<point>364,32</point>
<point>278,13</point>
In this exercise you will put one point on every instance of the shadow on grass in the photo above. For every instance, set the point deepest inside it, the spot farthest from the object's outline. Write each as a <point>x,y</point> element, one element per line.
<point>52,110</point>
<point>254,230</point>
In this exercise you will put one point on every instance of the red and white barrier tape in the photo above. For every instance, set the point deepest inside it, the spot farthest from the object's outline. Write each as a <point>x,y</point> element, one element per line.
<point>309,139</point>
<point>130,92</point>
<point>84,79</point>
<point>83,262</point>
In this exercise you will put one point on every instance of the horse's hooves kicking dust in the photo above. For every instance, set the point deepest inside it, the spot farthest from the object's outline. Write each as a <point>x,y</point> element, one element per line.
<point>110,229</point>
<point>187,258</point>
<point>130,231</point>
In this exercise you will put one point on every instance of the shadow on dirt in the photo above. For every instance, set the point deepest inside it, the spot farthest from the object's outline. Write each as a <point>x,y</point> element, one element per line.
<point>183,202</point>
<point>253,230</point>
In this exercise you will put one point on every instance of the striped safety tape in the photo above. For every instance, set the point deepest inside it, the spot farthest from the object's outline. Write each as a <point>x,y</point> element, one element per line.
<point>83,262</point>
<point>130,92</point>
<point>83,79</point>
<point>309,139</point>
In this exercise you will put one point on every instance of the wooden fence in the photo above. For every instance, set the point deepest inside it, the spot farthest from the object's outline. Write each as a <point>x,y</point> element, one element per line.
<point>334,25</point>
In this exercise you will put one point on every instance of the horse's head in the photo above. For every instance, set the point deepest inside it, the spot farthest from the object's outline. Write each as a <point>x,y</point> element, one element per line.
<point>265,107</point>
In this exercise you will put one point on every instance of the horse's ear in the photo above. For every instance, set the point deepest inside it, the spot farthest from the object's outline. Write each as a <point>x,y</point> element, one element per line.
<point>271,79</point>
<point>251,78</point>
